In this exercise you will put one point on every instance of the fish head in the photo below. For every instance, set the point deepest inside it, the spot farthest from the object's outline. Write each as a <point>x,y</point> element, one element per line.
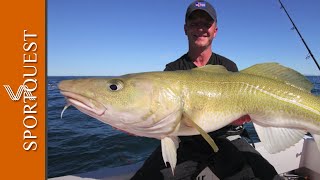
<point>131,103</point>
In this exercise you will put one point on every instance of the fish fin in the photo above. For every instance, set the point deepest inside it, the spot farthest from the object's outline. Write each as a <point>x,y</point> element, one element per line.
<point>278,72</point>
<point>316,138</point>
<point>203,134</point>
<point>212,68</point>
<point>276,139</point>
<point>169,146</point>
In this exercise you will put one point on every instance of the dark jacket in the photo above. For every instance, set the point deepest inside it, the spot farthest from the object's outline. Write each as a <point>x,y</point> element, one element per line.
<point>185,63</point>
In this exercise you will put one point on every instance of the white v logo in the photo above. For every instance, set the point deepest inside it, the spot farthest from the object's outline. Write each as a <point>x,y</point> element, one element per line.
<point>17,96</point>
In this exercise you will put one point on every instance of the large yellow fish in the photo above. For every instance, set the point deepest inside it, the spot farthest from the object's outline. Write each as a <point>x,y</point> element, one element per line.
<point>165,105</point>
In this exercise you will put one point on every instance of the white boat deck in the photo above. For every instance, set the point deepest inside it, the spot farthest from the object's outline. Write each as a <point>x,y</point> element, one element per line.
<point>304,156</point>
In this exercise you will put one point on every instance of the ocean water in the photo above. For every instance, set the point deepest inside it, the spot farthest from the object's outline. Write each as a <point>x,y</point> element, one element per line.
<point>78,143</point>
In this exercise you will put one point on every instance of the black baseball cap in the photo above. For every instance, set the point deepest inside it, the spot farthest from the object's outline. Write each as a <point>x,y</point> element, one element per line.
<point>202,5</point>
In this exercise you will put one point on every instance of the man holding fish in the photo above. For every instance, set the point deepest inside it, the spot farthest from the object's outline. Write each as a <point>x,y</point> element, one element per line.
<point>201,28</point>
<point>194,97</point>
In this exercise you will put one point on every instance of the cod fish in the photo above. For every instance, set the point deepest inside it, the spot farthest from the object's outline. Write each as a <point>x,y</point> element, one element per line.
<point>165,105</point>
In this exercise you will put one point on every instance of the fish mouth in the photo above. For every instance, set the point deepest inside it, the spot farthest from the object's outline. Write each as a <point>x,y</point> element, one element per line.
<point>84,104</point>
<point>87,106</point>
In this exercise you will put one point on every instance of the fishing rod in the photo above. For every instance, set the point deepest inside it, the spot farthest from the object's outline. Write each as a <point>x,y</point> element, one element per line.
<point>294,27</point>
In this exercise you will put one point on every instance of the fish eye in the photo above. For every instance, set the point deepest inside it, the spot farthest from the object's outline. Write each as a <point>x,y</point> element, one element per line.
<point>115,85</point>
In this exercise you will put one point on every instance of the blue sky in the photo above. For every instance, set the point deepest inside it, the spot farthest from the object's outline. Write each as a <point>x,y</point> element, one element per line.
<point>110,38</point>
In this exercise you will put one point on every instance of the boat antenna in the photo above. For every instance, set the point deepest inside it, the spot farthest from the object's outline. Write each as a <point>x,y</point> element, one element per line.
<point>294,27</point>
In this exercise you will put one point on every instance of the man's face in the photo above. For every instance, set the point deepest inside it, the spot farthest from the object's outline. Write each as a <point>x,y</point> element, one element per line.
<point>200,29</point>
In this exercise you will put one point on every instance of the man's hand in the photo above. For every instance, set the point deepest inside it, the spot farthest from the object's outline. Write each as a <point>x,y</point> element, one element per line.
<point>241,120</point>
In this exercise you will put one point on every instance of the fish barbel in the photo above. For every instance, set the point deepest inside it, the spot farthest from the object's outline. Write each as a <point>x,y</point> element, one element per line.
<point>165,105</point>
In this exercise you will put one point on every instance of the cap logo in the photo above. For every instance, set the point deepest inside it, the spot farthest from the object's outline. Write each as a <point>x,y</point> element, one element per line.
<point>200,4</point>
